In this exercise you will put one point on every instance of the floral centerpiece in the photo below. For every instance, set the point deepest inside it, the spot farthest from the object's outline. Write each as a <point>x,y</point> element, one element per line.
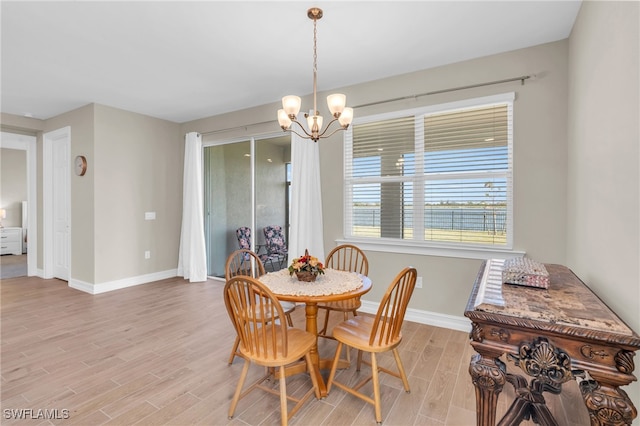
<point>306,267</point>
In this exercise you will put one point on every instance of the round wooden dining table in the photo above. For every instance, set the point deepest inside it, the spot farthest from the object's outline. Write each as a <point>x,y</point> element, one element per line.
<point>325,289</point>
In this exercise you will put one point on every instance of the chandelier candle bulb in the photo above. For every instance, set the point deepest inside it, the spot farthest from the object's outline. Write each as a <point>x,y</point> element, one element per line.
<point>336,103</point>
<point>291,105</point>
<point>283,119</point>
<point>346,117</point>
<point>314,122</point>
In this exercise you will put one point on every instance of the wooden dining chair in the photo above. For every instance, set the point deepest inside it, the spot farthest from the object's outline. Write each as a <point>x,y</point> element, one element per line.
<point>271,344</point>
<point>376,335</point>
<point>247,263</point>
<point>345,257</point>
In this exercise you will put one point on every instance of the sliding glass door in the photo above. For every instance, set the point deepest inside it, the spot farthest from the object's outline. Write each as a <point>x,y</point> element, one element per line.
<point>227,200</point>
<point>245,185</point>
<point>271,158</point>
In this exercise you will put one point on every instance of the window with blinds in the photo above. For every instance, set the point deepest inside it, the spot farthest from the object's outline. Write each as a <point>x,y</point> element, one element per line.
<point>441,175</point>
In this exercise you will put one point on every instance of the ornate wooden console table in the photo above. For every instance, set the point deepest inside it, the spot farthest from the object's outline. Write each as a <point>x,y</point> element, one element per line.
<point>555,335</point>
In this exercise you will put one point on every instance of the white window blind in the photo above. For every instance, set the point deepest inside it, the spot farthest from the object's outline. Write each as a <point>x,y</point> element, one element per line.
<point>440,175</point>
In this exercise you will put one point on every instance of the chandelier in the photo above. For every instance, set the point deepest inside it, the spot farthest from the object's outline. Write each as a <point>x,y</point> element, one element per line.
<point>336,102</point>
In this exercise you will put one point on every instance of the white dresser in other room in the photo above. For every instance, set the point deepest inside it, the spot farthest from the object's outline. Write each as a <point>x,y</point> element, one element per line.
<point>11,240</point>
<point>25,226</point>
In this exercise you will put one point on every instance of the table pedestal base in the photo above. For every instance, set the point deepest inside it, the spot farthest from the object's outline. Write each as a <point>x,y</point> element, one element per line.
<point>311,311</point>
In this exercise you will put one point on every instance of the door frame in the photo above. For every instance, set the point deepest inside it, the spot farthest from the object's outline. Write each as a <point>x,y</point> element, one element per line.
<point>48,243</point>
<point>27,143</point>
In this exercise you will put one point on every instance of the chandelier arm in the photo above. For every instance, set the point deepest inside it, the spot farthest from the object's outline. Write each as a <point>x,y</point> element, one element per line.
<point>334,132</point>
<point>309,135</point>
<point>303,137</point>
<point>320,136</point>
<point>327,128</point>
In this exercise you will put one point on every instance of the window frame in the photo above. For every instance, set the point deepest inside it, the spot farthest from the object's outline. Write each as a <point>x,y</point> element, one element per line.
<point>427,247</point>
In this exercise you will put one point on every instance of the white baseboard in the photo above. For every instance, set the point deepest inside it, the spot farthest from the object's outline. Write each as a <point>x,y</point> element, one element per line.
<point>82,286</point>
<point>425,317</point>
<point>123,283</point>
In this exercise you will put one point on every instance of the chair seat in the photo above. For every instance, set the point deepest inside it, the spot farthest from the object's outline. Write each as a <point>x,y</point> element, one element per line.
<point>299,342</point>
<point>356,333</point>
<point>348,305</point>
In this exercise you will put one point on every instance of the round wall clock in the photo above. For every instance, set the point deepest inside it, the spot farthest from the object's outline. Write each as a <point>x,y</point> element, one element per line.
<point>80,165</point>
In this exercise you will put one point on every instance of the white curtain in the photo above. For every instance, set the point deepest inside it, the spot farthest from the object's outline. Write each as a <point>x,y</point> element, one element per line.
<point>306,200</point>
<point>192,257</point>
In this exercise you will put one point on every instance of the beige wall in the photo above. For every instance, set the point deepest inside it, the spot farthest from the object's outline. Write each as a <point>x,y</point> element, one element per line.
<point>603,235</point>
<point>138,163</point>
<point>13,184</point>
<point>20,125</point>
<point>603,229</point>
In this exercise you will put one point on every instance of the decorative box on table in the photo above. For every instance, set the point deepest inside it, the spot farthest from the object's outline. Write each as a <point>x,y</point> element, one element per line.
<point>525,271</point>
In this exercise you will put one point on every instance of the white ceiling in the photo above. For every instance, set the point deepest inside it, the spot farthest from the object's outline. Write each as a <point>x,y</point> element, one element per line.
<point>182,61</point>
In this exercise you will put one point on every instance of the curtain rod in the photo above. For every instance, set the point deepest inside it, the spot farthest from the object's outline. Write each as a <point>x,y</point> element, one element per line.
<point>453,89</point>
<point>435,92</point>
<point>244,126</point>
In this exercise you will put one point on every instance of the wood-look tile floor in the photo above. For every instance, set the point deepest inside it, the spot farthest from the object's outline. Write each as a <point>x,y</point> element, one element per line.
<point>156,354</point>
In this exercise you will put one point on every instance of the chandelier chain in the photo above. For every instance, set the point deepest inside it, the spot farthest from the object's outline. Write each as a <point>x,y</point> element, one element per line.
<point>315,65</point>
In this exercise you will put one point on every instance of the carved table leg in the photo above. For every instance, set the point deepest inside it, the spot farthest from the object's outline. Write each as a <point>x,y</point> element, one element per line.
<point>488,376</point>
<point>607,405</point>
<point>529,403</point>
<point>522,409</point>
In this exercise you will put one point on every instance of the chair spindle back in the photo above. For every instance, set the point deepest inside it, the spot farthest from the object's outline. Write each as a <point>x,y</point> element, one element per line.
<point>244,262</point>
<point>393,306</point>
<point>251,307</point>
<point>347,257</point>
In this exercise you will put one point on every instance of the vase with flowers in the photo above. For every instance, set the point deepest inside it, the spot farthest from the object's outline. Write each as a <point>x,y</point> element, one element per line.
<point>307,267</point>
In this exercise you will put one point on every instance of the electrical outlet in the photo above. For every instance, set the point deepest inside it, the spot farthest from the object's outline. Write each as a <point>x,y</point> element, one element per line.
<point>147,254</point>
<point>419,282</point>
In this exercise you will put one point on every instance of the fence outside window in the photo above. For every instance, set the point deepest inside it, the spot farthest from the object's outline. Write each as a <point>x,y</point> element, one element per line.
<point>490,219</point>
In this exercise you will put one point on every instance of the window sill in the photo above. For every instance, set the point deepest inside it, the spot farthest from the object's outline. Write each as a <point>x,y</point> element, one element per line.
<point>404,247</point>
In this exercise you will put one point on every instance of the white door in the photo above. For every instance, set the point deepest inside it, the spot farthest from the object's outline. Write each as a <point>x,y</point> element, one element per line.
<point>61,240</point>
<point>57,243</point>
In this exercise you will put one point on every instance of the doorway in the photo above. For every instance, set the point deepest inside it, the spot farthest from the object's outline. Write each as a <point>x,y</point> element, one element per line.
<point>25,208</point>
<point>245,185</point>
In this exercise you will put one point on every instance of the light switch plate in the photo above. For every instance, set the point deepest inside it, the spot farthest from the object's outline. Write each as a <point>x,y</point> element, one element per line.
<point>149,215</point>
